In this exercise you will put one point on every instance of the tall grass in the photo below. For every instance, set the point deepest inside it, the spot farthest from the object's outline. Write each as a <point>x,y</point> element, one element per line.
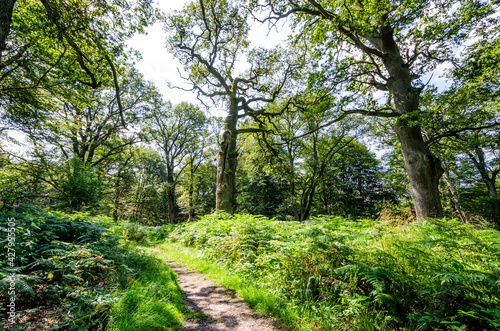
<point>151,302</point>
<point>364,275</point>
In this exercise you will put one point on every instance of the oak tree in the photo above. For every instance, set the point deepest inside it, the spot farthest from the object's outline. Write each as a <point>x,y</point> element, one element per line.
<point>389,47</point>
<point>210,38</point>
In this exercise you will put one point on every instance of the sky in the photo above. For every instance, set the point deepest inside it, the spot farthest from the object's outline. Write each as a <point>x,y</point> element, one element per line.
<point>160,67</point>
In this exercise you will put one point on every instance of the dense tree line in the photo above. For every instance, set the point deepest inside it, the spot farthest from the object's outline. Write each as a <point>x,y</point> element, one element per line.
<point>301,117</point>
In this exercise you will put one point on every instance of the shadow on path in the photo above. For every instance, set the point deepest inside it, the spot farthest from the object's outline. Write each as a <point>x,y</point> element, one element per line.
<point>213,307</point>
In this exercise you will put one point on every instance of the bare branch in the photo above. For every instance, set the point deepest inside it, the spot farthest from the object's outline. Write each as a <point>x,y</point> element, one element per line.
<point>251,130</point>
<point>454,133</point>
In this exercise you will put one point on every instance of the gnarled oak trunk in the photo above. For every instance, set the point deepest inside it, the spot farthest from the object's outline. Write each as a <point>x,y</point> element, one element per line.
<point>226,164</point>
<point>423,168</point>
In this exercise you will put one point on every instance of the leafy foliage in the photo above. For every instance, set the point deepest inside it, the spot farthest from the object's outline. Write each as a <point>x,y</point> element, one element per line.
<point>79,187</point>
<point>75,265</point>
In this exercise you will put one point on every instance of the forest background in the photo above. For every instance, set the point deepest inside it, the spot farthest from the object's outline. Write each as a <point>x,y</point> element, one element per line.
<point>99,137</point>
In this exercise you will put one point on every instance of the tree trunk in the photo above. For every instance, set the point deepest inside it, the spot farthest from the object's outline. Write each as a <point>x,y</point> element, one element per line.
<point>424,171</point>
<point>226,164</point>
<point>306,201</point>
<point>6,9</point>
<point>116,201</point>
<point>191,192</point>
<point>489,181</point>
<point>454,199</point>
<point>291,180</point>
<point>171,196</point>
<point>495,201</point>
<point>423,168</point>
<point>171,206</point>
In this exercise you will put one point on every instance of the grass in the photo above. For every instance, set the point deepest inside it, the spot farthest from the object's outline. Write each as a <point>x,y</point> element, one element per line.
<point>152,301</point>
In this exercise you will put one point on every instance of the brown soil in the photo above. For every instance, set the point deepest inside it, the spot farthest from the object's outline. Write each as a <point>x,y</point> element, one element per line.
<point>43,318</point>
<point>216,308</point>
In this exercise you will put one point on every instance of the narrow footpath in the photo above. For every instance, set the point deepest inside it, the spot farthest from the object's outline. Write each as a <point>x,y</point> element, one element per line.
<point>216,308</point>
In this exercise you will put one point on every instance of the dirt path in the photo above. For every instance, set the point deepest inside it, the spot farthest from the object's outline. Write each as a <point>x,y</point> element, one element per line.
<point>215,307</point>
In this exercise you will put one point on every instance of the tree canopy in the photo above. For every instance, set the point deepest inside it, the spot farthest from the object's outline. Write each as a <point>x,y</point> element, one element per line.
<point>300,120</point>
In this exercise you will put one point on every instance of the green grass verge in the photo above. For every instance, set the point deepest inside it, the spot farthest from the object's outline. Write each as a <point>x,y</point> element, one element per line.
<point>151,302</point>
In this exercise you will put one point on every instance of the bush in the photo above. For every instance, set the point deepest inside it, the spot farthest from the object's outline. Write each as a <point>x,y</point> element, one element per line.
<point>134,232</point>
<point>141,233</point>
<point>79,186</point>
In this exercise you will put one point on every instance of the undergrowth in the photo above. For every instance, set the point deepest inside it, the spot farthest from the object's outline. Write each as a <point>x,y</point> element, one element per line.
<point>362,275</point>
<point>72,273</point>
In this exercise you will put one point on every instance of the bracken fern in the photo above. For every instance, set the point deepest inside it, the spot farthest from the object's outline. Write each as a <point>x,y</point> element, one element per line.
<point>433,274</point>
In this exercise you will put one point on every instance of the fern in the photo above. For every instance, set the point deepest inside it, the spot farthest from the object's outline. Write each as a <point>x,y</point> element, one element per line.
<point>20,281</point>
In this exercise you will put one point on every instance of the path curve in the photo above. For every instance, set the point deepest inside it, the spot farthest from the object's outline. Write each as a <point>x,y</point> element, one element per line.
<point>215,307</point>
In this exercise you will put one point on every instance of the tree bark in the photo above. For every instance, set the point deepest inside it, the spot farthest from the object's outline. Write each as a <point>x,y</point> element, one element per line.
<point>116,200</point>
<point>6,9</point>
<point>489,181</point>
<point>423,168</point>
<point>191,192</point>
<point>454,199</point>
<point>306,201</point>
<point>295,206</point>
<point>171,196</point>
<point>495,201</point>
<point>226,163</point>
